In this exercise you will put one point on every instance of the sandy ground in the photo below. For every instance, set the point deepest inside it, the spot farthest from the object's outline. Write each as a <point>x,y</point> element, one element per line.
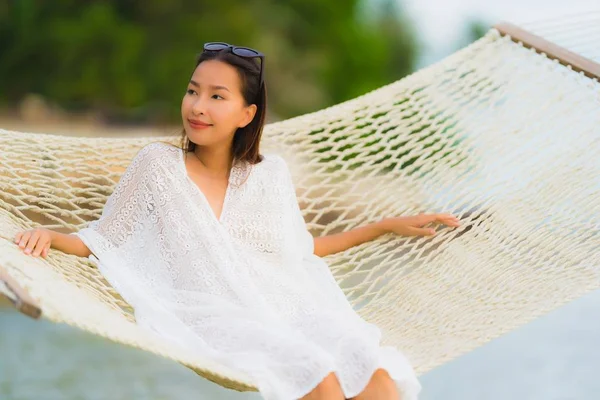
<point>84,128</point>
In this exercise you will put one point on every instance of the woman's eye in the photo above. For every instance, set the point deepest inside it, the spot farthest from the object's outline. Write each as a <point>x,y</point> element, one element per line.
<point>216,95</point>
<point>190,91</point>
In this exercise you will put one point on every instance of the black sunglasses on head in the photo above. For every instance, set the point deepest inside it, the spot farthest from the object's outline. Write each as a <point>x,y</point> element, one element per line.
<point>245,52</point>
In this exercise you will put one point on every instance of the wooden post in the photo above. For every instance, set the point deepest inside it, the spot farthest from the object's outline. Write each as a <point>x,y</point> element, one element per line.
<point>578,63</point>
<point>18,296</point>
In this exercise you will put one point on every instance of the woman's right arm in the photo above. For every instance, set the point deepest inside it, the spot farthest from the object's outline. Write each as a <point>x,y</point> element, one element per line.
<point>39,240</point>
<point>130,202</point>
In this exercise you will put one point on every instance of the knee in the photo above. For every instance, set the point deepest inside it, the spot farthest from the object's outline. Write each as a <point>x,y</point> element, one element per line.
<point>381,377</point>
<point>381,374</point>
<point>380,386</point>
<point>328,388</point>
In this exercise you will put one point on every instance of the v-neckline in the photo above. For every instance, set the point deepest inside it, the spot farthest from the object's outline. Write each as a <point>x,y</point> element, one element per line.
<point>219,219</point>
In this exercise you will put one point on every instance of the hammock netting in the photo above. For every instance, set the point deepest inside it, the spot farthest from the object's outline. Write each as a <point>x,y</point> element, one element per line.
<point>501,136</point>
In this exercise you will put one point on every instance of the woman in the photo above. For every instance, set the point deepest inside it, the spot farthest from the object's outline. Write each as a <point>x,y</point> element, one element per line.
<point>208,244</point>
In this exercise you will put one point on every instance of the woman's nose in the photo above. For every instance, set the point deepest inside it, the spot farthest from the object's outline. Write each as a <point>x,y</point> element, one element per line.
<point>199,106</point>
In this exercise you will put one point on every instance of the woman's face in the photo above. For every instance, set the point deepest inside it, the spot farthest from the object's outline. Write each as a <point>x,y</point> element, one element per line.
<point>213,106</point>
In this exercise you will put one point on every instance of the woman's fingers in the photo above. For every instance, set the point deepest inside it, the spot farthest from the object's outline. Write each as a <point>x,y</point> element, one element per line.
<point>24,239</point>
<point>18,237</point>
<point>39,247</point>
<point>421,220</point>
<point>415,225</point>
<point>451,222</point>
<point>46,250</point>
<point>32,242</point>
<point>446,219</point>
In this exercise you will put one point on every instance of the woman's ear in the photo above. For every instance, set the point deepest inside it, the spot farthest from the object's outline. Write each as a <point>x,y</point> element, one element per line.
<point>249,113</point>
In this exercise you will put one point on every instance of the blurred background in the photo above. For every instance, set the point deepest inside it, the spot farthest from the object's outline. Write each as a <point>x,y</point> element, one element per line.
<point>113,67</point>
<point>126,63</point>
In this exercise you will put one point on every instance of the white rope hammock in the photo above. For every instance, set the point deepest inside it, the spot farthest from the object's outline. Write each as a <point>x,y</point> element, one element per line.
<point>497,134</point>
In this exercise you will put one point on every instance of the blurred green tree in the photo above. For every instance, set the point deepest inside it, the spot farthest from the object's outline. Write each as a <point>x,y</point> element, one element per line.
<point>130,60</point>
<point>476,29</point>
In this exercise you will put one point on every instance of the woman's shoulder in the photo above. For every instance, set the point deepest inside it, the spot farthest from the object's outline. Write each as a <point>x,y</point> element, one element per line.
<point>159,151</point>
<point>155,154</point>
<point>273,161</point>
<point>274,168</point>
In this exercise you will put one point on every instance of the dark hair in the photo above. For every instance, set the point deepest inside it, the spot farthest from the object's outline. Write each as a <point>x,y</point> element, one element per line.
<point>246,140</point>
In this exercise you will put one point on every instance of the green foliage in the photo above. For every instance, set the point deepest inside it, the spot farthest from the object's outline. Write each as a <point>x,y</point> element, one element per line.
<point>131,60</point>
<point>476,29</point>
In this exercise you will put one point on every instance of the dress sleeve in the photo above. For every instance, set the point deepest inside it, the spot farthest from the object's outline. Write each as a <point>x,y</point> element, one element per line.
<point>303,237</point>
<point>126,209</point>
<point>322,279</point>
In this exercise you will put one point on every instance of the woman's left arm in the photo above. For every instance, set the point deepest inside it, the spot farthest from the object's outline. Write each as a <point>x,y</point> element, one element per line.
<point>404,226</point>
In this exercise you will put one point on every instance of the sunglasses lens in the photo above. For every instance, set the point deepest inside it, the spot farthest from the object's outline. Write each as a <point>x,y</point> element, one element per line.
<point>215,46</point>
<point>245,52</point>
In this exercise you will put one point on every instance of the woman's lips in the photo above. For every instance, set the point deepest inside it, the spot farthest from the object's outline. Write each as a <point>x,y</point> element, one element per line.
<point>198,124</point>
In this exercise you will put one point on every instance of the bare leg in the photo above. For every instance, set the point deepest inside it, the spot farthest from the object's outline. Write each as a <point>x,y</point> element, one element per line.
<point>380,387</point>
<point>328,389</point>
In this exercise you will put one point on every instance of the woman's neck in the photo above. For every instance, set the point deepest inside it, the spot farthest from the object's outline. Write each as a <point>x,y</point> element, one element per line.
<point>216,163</point>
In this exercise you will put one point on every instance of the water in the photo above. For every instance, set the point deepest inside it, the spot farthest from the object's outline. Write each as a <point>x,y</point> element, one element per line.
<point>40,360</point>
<point>555,357</point>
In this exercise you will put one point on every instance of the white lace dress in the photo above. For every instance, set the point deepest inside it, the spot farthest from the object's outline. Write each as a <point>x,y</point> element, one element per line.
<point>245,290</point>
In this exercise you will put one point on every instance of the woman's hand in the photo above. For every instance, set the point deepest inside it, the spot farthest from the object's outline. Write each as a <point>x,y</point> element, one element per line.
<point>414,225</point>
<point>34,241</point>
